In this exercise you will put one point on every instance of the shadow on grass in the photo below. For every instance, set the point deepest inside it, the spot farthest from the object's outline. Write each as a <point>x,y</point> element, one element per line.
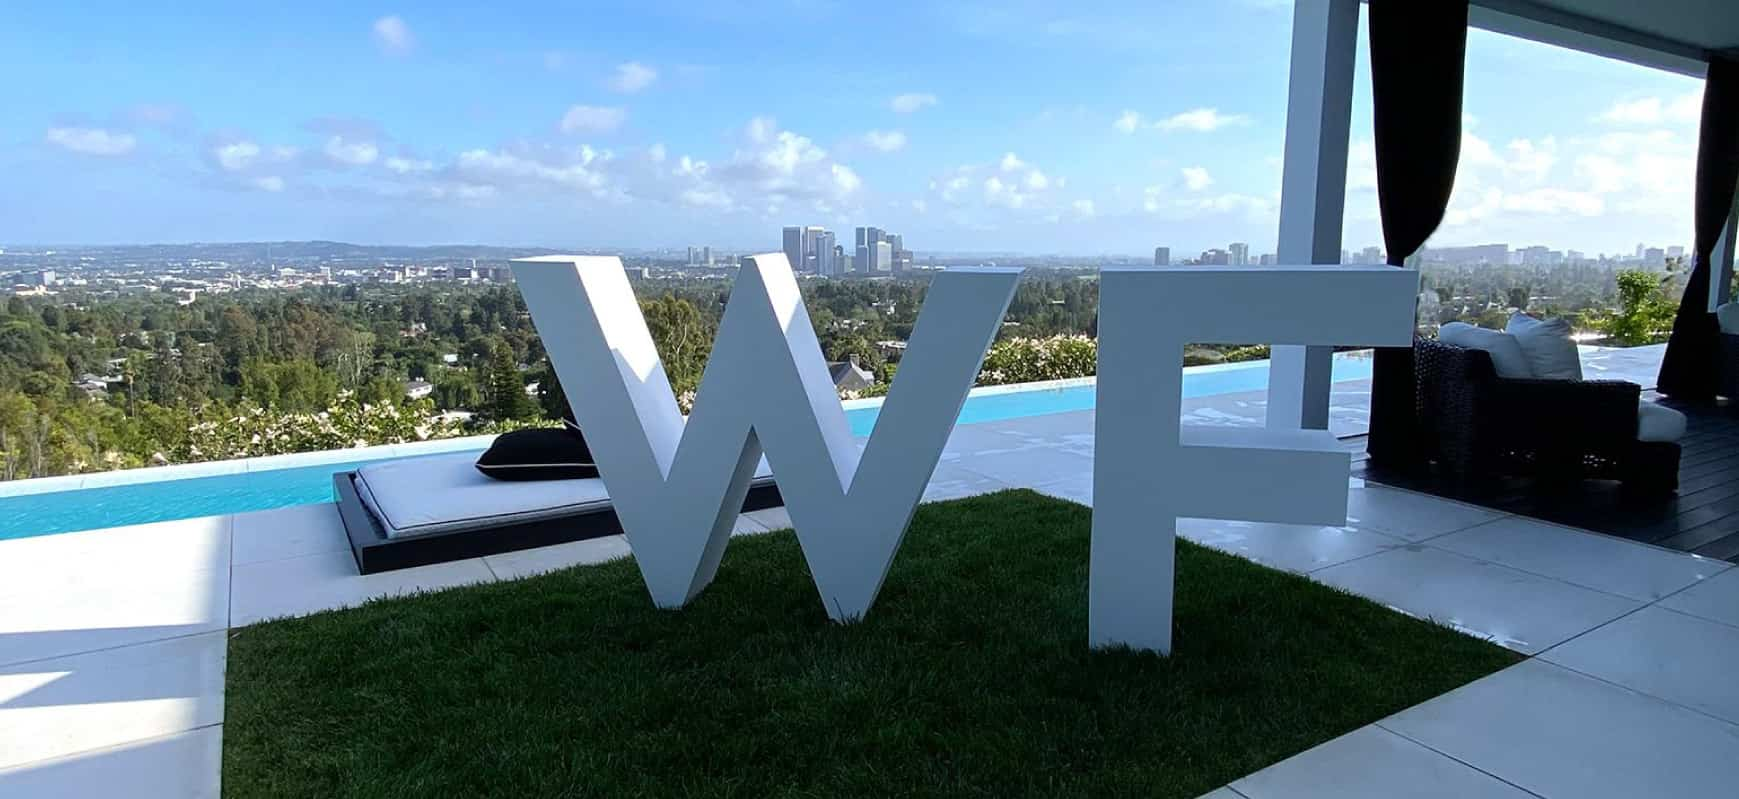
<point>971,676</point>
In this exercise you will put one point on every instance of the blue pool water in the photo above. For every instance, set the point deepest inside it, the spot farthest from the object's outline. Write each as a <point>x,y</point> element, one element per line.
<point>91,508</point>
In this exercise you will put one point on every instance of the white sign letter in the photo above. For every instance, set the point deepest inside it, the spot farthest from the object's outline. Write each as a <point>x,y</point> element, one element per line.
<point>1148,470</point>
<point>678,487</point>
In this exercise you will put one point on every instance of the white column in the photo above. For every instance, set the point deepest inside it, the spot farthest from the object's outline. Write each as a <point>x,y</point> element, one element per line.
<point>1721,277</point>
<point>1319,107</point>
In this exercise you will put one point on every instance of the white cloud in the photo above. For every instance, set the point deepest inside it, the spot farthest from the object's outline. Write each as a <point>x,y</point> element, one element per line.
<point>1128,122</point>
<point>1196,178</point>
<point>1684,109</point>
<point>393,36</point>
<point>769,168</point>
<point>632,77</point>
<point>1006,184</point>
<point>1201,120</point>
<point>407,166</point>
<point>1084,209</point>
<point>351,153</point>
<point>844,179</point>
<point>237,155</point>
<point>911,103</point>
<point>1563,192</point>
<point>592,119</point>
<point>92,141</point>
<point>886,141</point>
<point>271,183</point>
<point>1169,205</point>
<point>579,169</point>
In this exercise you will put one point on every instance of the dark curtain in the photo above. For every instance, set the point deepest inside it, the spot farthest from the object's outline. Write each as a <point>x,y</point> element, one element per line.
<point>1688,370</point>
<point>1418,57</point>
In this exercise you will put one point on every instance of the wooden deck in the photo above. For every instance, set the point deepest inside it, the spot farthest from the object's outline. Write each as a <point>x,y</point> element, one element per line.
<point>1703,517</point>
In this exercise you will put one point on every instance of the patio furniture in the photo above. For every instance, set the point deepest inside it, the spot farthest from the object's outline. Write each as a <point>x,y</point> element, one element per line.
<point>1727,316</point>
<point>420,511</point>
<point>1476,425</point>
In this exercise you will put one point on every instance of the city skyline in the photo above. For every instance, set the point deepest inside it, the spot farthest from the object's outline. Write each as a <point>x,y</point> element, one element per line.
<point>653,120</point>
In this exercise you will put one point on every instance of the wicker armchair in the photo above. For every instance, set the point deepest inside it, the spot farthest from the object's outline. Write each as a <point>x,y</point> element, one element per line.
<point>1475,425</point>
<point>1728,370</point>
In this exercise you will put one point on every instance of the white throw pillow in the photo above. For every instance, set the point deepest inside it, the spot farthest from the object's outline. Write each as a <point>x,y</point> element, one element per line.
<point>1658,423</point>
<point>1506,352</point>
<point>1727,316</point>
<point>1550,352</point>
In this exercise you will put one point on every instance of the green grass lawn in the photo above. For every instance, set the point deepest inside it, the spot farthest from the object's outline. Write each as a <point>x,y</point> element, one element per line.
<point>971,676</point>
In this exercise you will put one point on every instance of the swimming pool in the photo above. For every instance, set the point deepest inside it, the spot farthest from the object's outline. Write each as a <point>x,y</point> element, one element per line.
<point>180,492</point>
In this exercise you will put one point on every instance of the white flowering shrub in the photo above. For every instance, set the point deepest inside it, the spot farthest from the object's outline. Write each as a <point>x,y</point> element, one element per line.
<point>1029,360</point>
<point>252,432</point>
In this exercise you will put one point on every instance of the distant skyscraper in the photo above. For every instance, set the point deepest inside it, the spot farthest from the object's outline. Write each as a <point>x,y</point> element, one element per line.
<point>1162,256</point>
<point>884,258</point>
<point>794,247</point>
<point>867,239</point>
<point>1269,259</point>
<point>706,254</point>
<point>1675,251</point>
<point>811,242</point>
<point>824,253</point>
<point>804,248</point>
<point>1238,253</point>
<point>1215,258</point>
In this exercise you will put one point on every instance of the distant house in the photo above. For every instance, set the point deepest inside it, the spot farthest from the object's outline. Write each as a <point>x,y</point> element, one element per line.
<point>891,348</point>
<point>450,359</point>
<point>848,376</point>
<point>418,389</point>
<point>93,387</point>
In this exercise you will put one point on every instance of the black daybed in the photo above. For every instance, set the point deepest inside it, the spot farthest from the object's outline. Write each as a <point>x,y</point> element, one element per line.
<point>420,511</point>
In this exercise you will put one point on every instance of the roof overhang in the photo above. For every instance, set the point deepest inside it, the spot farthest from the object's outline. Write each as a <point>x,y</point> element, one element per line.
<point>1675,35</point>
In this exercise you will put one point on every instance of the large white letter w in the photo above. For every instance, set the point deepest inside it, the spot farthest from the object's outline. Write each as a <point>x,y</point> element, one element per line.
<point>678,487</point>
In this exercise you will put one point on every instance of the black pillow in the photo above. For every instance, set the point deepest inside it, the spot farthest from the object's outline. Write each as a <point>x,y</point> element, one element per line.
<point>539,454</point>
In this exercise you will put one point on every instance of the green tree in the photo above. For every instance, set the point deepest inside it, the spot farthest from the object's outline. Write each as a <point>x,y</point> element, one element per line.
<point>1645,315</point>
<point>456,390</point>
<point>1518,297</point>
<point>683,336</point>
<point>507,399</point>
<point>296,386</point>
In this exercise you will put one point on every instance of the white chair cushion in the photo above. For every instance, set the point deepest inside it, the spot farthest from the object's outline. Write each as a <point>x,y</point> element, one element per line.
<point>1727,316</point>
<point>1547,345</point>
<point>1658,423</point>
<point>1506,352</point>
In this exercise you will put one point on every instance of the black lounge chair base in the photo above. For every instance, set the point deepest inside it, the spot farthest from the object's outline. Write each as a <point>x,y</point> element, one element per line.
<point>376,552</point>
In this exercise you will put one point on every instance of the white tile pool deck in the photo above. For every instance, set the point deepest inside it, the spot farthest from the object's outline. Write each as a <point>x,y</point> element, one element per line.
<point>111,675</point>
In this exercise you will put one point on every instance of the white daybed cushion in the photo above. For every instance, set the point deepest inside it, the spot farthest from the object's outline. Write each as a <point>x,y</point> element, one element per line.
<point>1658,423</point>
<point>446,493</point>
<point>1506,352</point>
<point>1547,345</point>
<point>1727,316</point>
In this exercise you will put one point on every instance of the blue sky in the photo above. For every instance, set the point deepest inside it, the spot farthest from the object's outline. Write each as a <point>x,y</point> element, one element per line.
<point>1013,125</point>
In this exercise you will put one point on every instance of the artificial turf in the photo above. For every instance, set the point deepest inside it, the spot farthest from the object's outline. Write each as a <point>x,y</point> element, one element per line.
<point>971,676</point>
